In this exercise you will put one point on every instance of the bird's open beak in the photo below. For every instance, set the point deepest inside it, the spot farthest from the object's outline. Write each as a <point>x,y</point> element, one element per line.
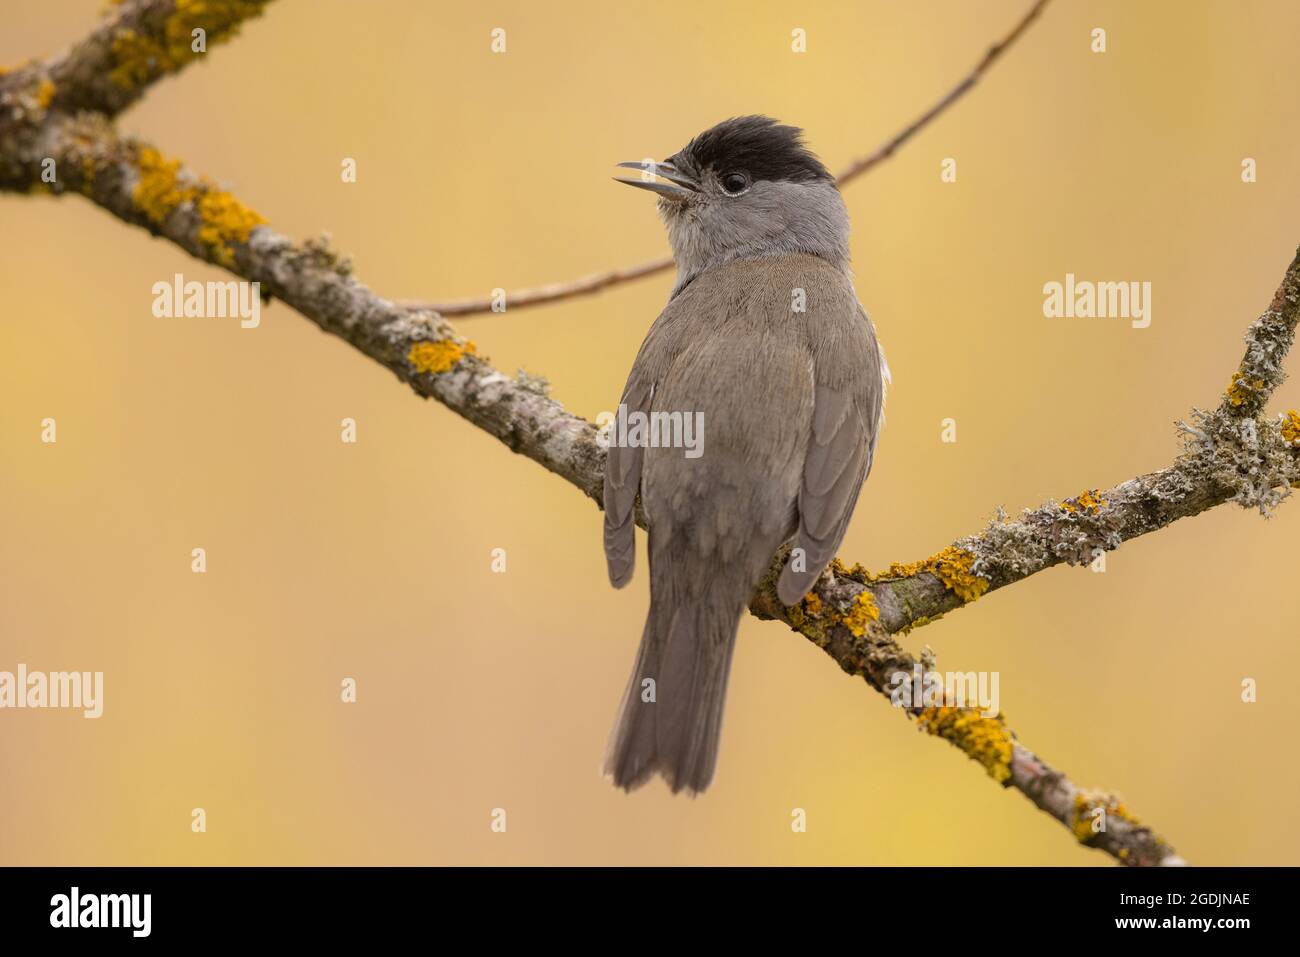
<point>666,170</point>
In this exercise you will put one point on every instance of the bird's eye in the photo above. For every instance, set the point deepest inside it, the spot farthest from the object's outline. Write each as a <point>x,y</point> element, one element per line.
<point>733,184</point>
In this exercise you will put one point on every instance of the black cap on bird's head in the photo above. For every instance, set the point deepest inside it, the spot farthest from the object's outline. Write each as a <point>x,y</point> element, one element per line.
<point>758,146</point>
<point>737,153</point>
<point>746,187</point>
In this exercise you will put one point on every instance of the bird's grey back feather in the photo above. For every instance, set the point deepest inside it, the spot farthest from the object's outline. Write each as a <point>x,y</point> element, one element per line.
<point>790,403</point>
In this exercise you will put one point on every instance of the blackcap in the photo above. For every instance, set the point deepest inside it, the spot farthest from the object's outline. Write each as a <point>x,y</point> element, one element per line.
<point>762,343</point>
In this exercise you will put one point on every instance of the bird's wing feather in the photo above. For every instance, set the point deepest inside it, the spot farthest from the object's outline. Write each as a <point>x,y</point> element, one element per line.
<point>623,465</point>
<point>847,398</point>
<point>622,480</point>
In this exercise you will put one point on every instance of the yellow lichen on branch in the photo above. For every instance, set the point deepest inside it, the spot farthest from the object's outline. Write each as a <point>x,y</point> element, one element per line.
<point>807,619</point>
<point>810,617</point>
<point>952,566</point>
<point>226,221</point>
<point>438,357</point>
<point>159,192</point>
<point>1291,427</point>
<point>1241,389</point>
<point>861,614</point>
<point>1092,809</point>
<point>1087,501</point>
<point>142,56</point>
<point>984,739</point>
<point>163,188</point>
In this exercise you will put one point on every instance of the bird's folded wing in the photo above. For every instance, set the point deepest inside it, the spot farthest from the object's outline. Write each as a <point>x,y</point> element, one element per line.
<point>622,481</point>
<point>845,420</point>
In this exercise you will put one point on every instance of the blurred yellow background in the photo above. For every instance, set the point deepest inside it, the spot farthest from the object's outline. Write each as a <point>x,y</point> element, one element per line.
<point>480,690</point>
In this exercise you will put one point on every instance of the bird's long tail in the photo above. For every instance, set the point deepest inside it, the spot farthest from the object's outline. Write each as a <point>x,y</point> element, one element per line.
<point>671,717</point>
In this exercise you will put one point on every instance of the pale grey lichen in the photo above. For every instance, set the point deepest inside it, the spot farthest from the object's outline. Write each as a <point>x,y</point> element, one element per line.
<point>1070,531</point>
<point>537,384</point>
<point>1246,456</point>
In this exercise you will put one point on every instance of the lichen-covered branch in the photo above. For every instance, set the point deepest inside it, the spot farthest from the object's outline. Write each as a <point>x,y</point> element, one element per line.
<point>139,185</point>
<point>841,619</point>
<point>1232,453</point>
<point>139,42</point>
<point>598,282</point>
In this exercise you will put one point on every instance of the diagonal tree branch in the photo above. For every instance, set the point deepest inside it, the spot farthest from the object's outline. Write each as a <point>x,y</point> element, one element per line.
<point>140,42</point>
<point>1232,454</point>
<point>598,282</point>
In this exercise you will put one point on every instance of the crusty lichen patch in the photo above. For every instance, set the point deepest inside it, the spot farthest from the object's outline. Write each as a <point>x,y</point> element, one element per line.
<point>809,619</point>
<point>1084,814</point>
<point>1291,427</point>
<point>953,566</point>
<point>858,572</point>
<point>142,56</point>
<point>137,59</point>
<point>158,192</point>
<point>1087,501</point>
<point>163,188</point>
<point>986,740</point>
<point>226,221</point>
<point>438,356</point>
<point>1242,389</point>
<point>861,614</point>
<point>1252,457</point>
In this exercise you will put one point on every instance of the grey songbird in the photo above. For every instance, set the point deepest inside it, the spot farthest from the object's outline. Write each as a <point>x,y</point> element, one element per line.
<point>763,343</point>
